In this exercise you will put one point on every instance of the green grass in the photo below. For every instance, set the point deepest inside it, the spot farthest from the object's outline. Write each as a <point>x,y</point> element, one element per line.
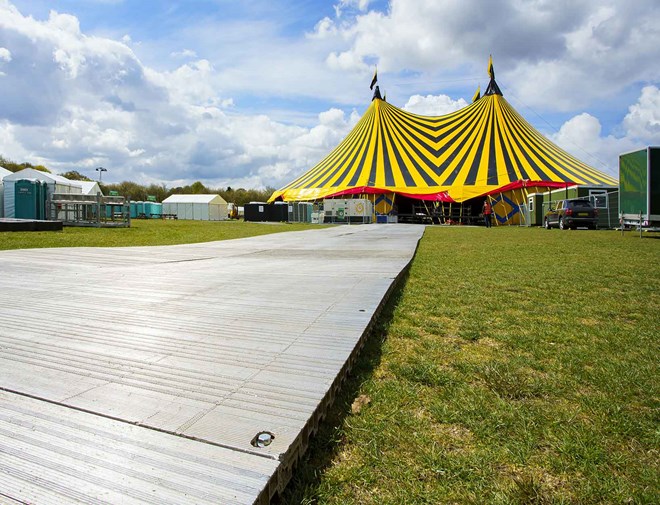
<point>144,232</point>
<point>515,366</point>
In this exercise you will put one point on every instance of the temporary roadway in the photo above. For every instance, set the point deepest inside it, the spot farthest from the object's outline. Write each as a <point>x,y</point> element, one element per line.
<point>145,374</point>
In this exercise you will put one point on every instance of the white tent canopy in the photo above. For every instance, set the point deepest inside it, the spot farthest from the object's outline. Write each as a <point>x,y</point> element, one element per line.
<point>55,184</point>
<point>196,207</point>
<point>90,187</point>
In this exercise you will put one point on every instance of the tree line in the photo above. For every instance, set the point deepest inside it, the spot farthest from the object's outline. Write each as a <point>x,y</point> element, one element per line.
<point>141,192</point>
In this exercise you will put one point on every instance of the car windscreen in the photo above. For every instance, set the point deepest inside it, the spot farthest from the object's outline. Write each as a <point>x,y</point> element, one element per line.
<point>580,203</point>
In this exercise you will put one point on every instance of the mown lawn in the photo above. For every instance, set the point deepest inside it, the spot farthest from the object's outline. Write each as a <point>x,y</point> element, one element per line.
<point>515,366</point>
<point>145,232</point>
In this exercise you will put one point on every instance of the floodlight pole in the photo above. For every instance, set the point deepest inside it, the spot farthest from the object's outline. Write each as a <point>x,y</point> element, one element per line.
<point>100,170</point>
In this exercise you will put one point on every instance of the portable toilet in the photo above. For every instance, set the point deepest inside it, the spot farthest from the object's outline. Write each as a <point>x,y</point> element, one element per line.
<point>133,210</point>
<point>139,209</point>
<point>30,199</point>
<point>157,209</point>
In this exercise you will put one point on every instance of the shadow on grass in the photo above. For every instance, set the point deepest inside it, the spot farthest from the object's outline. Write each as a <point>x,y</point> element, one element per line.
<point>325,445</point>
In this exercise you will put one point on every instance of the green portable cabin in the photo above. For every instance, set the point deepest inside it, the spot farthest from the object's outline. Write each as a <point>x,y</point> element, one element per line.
<point>639,179</point>
<point>30,199</point>
<point>536,209</point>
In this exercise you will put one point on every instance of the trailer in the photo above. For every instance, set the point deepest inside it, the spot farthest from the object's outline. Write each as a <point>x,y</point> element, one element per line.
<point>639,190</point>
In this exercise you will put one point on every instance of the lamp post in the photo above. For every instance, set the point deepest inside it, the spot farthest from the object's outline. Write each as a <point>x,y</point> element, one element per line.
<point>100,170</point>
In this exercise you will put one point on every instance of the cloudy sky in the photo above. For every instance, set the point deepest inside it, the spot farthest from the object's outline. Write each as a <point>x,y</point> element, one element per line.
<point>252,93</point>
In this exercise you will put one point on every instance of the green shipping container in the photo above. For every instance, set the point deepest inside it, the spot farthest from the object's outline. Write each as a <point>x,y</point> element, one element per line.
<point>639,179</point>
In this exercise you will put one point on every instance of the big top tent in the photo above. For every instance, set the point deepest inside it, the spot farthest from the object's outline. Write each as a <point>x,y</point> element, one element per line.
<point>483,149</point>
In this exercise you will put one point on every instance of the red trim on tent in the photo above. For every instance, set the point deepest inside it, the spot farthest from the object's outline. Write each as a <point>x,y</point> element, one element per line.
<point>531,184</point>
<point>358,191</point>
<point>434,197</point>
<point>368,190</point>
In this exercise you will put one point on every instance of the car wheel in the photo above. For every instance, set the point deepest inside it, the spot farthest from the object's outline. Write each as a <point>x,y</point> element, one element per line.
<point>562,224</point>
<point>546,224</point>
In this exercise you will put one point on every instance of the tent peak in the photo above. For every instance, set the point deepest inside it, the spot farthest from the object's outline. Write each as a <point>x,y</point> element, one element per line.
<point>493,88</point>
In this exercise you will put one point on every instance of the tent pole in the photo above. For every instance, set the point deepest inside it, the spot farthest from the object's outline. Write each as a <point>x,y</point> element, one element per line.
<point>526,200</point>
<point>518,203</point>
<point>492,209</point>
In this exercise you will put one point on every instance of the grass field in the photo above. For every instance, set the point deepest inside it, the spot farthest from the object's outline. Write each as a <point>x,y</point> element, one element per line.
<point>513,366</point>
<point>144,232</point>
<point>516,366</point>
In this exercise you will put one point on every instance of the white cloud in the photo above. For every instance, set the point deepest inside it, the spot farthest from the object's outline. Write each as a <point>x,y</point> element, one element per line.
<point>5,54</point>
<point>106,108</point>
<point>324,29</point>
<point>643,119</point>
<point>581,135</point>
<point>543,51</point>
<point>186,53</point>
<point>433,105</point>
<point>343,5</point>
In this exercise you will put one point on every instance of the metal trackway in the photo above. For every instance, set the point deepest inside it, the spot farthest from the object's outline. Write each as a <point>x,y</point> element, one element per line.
<point>141,375</point>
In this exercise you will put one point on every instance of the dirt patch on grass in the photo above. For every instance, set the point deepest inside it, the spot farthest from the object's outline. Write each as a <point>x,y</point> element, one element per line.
<point>535,485</point>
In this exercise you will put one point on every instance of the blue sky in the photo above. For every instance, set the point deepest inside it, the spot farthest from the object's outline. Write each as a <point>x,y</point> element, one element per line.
<point>254,93</point>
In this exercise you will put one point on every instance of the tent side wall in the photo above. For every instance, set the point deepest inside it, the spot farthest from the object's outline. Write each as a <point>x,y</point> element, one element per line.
<point>200,211</point>
<point>168,208</point>
<point>10,198</point>
<point>2,199</point>
<point>192,207</point>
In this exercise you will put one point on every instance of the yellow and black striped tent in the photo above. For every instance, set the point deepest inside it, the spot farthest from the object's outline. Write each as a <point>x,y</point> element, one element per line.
<point>482,149</point>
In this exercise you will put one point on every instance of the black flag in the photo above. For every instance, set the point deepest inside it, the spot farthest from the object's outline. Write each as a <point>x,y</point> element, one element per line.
<point>374,80</point>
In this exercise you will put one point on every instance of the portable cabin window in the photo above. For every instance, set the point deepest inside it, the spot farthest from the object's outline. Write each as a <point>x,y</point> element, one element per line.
<point>599,198</point>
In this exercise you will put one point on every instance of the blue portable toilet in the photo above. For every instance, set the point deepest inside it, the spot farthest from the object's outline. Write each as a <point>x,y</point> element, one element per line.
<point>157,209</point>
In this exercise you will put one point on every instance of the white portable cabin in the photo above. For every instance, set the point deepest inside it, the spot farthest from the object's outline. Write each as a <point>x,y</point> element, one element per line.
<point>90,187</point>
<point>3,173</point>
<point>54,183</point>
<point>196,207</point>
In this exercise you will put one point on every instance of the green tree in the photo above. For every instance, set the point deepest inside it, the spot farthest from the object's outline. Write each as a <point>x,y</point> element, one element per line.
<point>74,175</point>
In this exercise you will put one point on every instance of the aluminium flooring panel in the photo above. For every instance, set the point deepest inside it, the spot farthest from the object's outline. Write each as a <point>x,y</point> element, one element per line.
<point>212,342</point>
<point>51,454</point>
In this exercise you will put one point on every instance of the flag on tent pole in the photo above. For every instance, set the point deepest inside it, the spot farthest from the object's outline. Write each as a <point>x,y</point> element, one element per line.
<point>491,72</point>
<point>374,80</point>
<point>477,94</point>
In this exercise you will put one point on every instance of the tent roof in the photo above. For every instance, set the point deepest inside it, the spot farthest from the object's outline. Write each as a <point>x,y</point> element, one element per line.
<point>38,175</point>
<point>90,187</point>
<point>195,199</point>
<point>4,173</point>
<point>483,148</point>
